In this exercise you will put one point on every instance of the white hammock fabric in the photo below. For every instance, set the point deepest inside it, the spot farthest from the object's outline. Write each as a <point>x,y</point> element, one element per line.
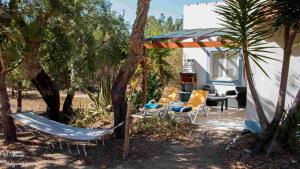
<point>60,130</point>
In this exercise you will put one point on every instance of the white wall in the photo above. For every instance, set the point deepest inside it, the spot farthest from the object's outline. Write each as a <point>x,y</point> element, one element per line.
<point>268,89</point>
<point>202,16</point>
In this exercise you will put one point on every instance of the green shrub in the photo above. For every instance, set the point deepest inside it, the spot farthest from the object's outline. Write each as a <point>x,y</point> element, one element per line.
<point>294,130</point>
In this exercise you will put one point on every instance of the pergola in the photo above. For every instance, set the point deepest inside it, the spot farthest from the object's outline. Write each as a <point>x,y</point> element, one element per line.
<point>197,38</point>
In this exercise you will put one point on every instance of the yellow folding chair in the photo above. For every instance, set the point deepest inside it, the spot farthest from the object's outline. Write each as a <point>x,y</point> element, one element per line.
<point>169,95</point>
<point>198,103</point>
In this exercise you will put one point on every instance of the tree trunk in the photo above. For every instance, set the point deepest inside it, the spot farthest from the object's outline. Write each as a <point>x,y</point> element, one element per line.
<point>50,94</point>
<point>68,106</point>
<point>13,92</point>
<point>268,134</point>
<point>289,38</point>
<point>41,80</point>
<point>135,56</point>
<point>9,127</point>
<point>19,97</point>
<point>259,109</point>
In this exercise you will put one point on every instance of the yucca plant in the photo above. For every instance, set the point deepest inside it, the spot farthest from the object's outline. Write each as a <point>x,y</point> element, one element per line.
<point>245,28</point>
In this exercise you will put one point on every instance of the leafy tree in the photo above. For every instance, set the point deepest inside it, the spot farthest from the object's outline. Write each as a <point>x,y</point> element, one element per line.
<point>31,19</point>
<point>162,18</point>
<point>178,25</point>
<point>16,79</point>
<point>169,26</point>
<point>88,50</point>
<point>160,64</point>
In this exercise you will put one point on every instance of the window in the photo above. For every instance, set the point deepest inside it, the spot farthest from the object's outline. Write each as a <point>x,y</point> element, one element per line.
<point>224,66</point>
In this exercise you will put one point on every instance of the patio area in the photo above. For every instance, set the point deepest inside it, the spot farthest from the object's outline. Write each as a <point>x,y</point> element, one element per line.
<point>230,119</point>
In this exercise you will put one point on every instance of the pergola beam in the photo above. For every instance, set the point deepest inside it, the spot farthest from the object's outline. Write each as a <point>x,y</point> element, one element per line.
<point>175,45</point>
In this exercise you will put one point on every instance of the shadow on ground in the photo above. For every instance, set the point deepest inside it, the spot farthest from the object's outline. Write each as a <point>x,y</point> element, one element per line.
<point>202,149</point>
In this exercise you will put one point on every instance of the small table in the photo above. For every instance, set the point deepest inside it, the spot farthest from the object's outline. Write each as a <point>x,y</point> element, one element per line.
<point>221,99</point>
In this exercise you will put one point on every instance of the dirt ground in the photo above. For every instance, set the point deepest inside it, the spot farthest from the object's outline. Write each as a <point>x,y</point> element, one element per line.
<point>204,149</point>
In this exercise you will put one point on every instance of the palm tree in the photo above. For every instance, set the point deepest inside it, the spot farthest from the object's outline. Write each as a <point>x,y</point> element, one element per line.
<point>245,30</point>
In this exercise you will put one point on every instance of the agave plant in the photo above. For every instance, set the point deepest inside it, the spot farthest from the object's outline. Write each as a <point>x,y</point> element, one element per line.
<point>246,29</point>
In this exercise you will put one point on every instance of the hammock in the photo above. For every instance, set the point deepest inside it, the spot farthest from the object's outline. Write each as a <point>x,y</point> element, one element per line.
<point>56,129</point>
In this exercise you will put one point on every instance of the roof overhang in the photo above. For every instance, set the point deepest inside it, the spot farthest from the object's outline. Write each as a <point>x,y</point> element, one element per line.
<point>175,39</point>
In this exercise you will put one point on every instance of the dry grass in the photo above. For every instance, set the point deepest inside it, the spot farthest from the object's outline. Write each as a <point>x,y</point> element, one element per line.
<point>32,101</point>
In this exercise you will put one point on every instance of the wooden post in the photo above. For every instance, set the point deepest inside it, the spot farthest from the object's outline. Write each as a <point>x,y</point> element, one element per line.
<point>144,82</point>
<point>127,131</point>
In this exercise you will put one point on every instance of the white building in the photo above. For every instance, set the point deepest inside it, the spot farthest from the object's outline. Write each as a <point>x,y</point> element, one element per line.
<point>213,66</point>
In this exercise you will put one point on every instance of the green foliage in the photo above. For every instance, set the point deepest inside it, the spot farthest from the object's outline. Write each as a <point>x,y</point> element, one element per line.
<point>154,87</point>
<point>76,41</point>
<point>286,12</point>
<point>154,91</point>
<point>89,48</point>
<point>293,129</point>
<point>158,62</point>
<point>162,64</point>
<point>246,27</point>
<point>102,98</point>
<point>17,79</point>
<point>10,39</point>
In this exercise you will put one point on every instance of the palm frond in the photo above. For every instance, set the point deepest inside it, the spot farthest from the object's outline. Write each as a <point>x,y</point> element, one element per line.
<point>245,27</point>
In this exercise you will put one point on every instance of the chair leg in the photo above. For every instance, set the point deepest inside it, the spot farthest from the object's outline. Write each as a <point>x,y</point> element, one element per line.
<point>84,150</point>
<point>205,110</point>
<point>196,115</point>
<point>60,145</point>
<point>52,144</point>
<point>69,148</point>
<point>165,112</point>
<point>190,118</point>
<point>47,149</point>
<point>78,149</point>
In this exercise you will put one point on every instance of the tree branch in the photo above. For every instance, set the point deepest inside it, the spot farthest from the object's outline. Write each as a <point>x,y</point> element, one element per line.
<point>13,66</point>
<point>286,35</point>
<point>43,20</point>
